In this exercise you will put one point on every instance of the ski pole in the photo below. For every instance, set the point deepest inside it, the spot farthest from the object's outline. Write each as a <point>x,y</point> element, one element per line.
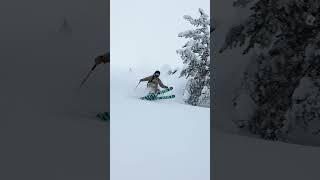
<point>85,79</point>
<point>137,85</point>
<point>98,60</point>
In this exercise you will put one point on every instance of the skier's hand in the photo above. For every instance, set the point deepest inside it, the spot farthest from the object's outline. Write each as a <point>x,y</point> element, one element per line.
<point>98,60</point>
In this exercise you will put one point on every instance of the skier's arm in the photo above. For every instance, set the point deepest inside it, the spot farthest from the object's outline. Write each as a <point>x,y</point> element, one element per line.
<point>162,85</point>
<point>102,59</point>
<point>146,79</point>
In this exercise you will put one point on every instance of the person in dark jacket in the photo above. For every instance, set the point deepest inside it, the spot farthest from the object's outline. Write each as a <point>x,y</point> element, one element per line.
<point>153,82</point>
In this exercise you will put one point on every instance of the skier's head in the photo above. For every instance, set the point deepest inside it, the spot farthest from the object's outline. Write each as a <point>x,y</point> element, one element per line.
<point>156,74</point>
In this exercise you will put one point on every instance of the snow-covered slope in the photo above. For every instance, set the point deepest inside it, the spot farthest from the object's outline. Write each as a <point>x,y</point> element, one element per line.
<point>48,130</point>
<point>239,157</point>
<point>156,140</point>
<point>244,157</point>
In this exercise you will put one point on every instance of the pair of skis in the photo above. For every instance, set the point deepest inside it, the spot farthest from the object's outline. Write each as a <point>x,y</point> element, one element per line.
<point>155,96</point>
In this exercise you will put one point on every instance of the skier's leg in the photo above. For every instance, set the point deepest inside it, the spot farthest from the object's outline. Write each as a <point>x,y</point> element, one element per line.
<point>153,91</point>
<point>157,91</point>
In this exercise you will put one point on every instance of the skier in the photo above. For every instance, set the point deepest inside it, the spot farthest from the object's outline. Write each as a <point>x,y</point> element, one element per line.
<point>104,58</point>
<point>153,82</point>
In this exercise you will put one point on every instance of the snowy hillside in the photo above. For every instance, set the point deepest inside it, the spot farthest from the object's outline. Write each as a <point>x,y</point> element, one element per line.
<point>237,156</point>
<point>48,131</point>
<point>156,140</point>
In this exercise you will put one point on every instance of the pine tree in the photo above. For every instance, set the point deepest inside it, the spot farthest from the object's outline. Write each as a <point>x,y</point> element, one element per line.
<point>287,35</point>
<point>196,57</point>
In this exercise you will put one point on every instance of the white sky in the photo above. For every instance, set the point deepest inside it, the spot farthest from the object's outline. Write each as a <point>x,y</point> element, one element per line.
<point>145,33</point>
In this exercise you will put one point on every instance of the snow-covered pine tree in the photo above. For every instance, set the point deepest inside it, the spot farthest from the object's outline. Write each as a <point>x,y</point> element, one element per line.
<point>196,57</point>
<point>287,33</point>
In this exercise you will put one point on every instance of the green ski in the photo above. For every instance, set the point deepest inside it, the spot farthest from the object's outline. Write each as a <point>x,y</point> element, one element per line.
<point>154,96</point>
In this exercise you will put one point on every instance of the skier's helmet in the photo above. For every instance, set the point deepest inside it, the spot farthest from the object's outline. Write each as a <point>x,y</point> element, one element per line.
<point>156,74</point>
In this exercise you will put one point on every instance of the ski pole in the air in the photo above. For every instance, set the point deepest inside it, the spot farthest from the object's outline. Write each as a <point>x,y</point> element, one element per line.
<point>98,60</point>
<point>137,85</point>
<point>85,79</point>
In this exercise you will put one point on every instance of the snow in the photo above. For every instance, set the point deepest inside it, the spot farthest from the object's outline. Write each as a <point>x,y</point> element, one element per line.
<point>156,140</point>
<point>159,140</point>
<point>237,156</point>
<point>241,157</point>
<point>48,128</point>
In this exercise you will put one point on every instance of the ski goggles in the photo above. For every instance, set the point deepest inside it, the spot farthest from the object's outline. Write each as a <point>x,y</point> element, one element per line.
<point>156,74</point>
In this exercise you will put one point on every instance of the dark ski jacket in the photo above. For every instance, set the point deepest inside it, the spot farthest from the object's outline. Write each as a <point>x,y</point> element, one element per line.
<point>105,58</point>
<point>154,80</point>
